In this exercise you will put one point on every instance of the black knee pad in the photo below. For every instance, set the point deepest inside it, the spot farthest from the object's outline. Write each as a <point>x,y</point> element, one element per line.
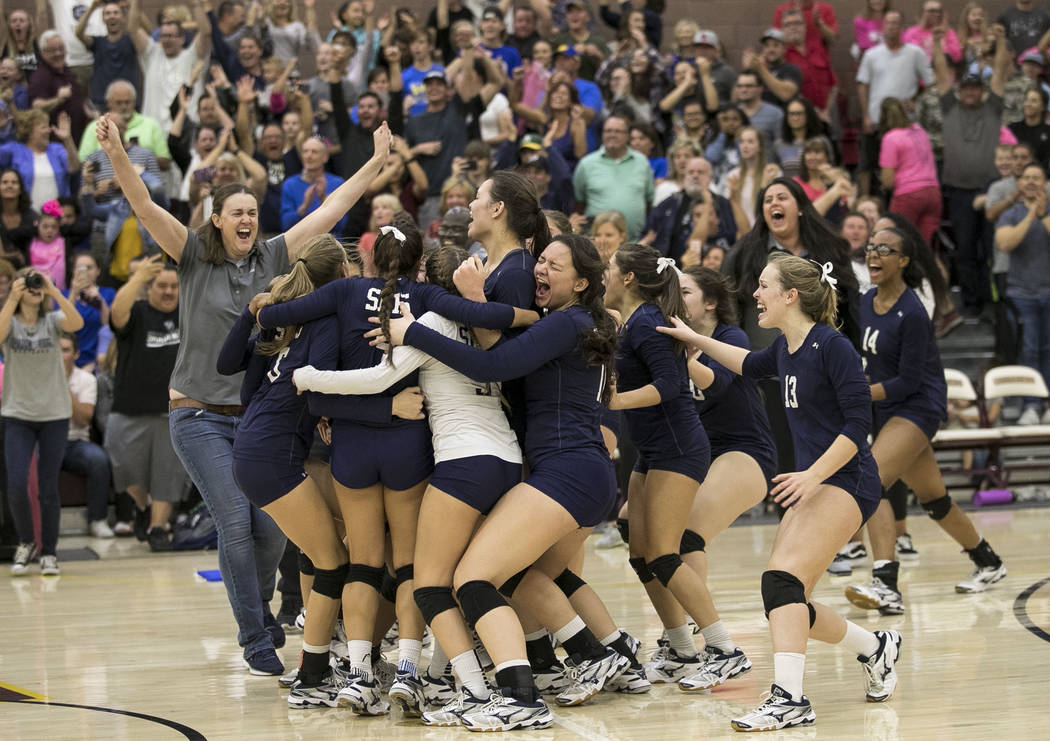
<point>329,582</point>
<point>306,566</point>
<point>812,613</point>
<point>898,499</point>
<point>780,588</point>
<point>644,574</point>
<point>939,508</point>
<point>508,587</point>
<point>568,582</point>
<point>478,598</point>
<point>370,575</point>
<point>691,541</point>
<point>624,528</point>
<point>663,567</point>
<point>404,573</point>
<point>432,601</point>
<point>388,589</point>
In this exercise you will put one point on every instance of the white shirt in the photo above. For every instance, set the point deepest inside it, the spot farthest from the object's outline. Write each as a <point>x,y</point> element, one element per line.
<point>85,389</point>
<point>466,417</point>
<point>66,14</point>
<point>893,74</point>
<point>45,186</point>
<point>162,76</point>
<point>489,120</point>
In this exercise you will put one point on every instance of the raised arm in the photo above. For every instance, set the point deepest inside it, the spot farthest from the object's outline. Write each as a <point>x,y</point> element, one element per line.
<point>942,73</point>
<point>80,31</point>
<point>202,42</point>
<point>169,232</point>
<point>71,319</point>
<point>120,311</point>
<point>1003,65</point>
<point>139,37</point>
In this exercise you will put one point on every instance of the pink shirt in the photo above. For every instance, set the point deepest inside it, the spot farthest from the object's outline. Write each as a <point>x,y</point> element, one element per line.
<point>908,151</point>
<point>867,32</point>
<point>50,258</point>
<point>923,38</point>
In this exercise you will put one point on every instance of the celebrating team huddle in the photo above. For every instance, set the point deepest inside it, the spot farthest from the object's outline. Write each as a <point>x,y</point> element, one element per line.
<point>468,515</point>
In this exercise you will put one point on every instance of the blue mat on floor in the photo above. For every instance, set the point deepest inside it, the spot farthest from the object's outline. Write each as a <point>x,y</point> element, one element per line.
<point>210,575</point>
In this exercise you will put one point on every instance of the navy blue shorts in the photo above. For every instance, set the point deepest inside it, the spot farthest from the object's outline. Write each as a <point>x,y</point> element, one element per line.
<point>926,420</point>
<point>478,481</point>
<point>581,481</point>
<point>862,484</point>
<point>264,482</point>
<point>397,457</point>
<point>612,420</point>
<point>695,464</point>
<point>764,457</point>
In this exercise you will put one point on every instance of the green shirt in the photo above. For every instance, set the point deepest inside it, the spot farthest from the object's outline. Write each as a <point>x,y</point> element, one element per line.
<point>624,185</point>
<point>143,128</point>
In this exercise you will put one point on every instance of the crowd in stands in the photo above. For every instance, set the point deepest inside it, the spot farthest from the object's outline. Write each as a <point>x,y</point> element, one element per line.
<point>634,131</point>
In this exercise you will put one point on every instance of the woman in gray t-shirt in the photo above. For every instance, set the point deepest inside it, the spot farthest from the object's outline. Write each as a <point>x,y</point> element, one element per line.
<point>36,408</point>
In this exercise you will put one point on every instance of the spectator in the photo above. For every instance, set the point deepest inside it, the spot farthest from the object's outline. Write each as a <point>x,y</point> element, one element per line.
<point>45,166</point>
<point>626,98</point>
<point>615,178</point>
<point>894,69</point>
<point>74,226</point>
<point>764,117</point>
<point>1033,66</point>
<point>279,166</point>
<point>550,174</point>
<point>908,169</point>
<point>357,17</point>
<point>566,66</point>
<point>828,187</point>
<point>589,47</point>
<point>652,23</point>
<point>82,456</point>
<point>290,37</point>
<point>524,33</point>
<point>695,126</point>
<point>137,436</point>
<point>54,88</point>
<point>36,409</point>
<point>867,27</point>
<point>972,32</point>
<point>671,222</point>
<point>857,232</point>
<point>723,152</point>
<point>493,37</point>
<point>608,232</point>
<point>690,80</point>
<point>971,134</point>
<point>303,193</point>
<point>1034,130</point>
<point>819,84</point>
<point>707,46</point>
<point>1023,232</point>
<point>353,57</point>
<point>630,39</point>
<point>682,46</point>
<point>19,42</point>
<point>800,123</point>
<point>1025,24</point>
<point>678,155</point>
<point>645,140</point>
<point>168,65</point>
<point>227,28</point>
<point>47,251</point>
<point>17,218</point>
<point>120,100</point>
<point>780,79</point>
<point>921,35</point>
<point>328,73</point>
<point>742,184</point>
<point>530,88</point>
<point>114,53</point>
<point>7,277</point>
<point>93,305</point>
<point>566,128</point>
<point>440,21</point>
<point>65,15</point>
<point>13,91</point>
<point>413,87</point>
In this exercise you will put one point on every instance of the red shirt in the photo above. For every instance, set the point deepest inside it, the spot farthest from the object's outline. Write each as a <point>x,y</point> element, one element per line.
<point>818,78</point>
<point>814,39</point>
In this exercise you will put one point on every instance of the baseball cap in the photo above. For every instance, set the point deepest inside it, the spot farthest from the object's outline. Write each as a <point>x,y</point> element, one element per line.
<point>435,74</point>
<point>971,80</point>
<point>491,12</point>
<point>1033,55</point>
<point>566,50</point>
<point>531,141</point>
<point>457,216</point>
<point>773,33</point>
<point>705,37</point>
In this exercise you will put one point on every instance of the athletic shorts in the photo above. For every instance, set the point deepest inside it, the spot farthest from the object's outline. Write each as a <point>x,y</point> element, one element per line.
<point>694,464</point>
<point>764,457</point>
<point>264,482</point>
<point>478,481</point>
<point>926,420</point>
<point>581,481</point>
<point>863,485</point>
<point>140,449</point>
<point>397,457</point>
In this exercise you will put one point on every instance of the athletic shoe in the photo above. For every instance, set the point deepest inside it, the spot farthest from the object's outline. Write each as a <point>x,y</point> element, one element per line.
<point>850,555</point>
<point>876,596</point>
<point>390,639</point>
<point>503,713</point>
<point>123,529</point>
<point>947,323</point>
<point>441,690</point>
<point>100,529</point>
<point>905,548</point>
<point>588,676</point>
<point>325,693</point>
<point>667,665</point>
<point>140,526</point>
<point>981,578</point>
<point>879,678</point>
<point>611,538</point>
<point>776,711</point>
<point>363,695</point>
<point>631,682</point>
<point>407,693</point>
<point>159,540</point>
<point>384,673</point>
<point>634,644</point>
<point>452,712</point>
<point>300,620</point>
<point>552,680</point>
<point>290,609</point>
<point>718,668</point>
<point>24,555</point>
<point>264,663</point>
<point>49,566</point>
<point>289,679</point>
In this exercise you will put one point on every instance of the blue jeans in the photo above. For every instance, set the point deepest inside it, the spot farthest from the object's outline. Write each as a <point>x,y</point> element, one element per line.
<point>1034,314</point>
<point>20,438</point>
<point>250,543</point>
<point>90,460</point>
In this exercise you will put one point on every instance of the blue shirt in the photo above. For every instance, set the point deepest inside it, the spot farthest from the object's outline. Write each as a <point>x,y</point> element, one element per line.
<point>20,157</point>
<point>114,60</point>
<point>513,281</point>
<point>412,84</point>
<point>292,193</point>
<point>87,336</point>
<point>507,57</point>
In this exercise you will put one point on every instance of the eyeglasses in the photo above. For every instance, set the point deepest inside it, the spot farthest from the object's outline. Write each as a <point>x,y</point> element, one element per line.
<point>882,250</point>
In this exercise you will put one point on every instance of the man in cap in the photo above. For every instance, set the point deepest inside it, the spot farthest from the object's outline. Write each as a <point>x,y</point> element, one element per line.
<point>590,48</point>
<point>781,79</point>
<point>548,171</point>
<point>707,46</point>
<point>493,36</point>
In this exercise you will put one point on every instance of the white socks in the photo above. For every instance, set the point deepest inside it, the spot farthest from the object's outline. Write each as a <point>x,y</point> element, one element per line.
<point>716,635</point>
<point>360,655</point>
<point>788,669</point>
<point>681,639</point>
<point>570,629</point>
<point>611,638</point>
<point>408,653</point>
<point>438,661</point>
<point>468,672</point>
<point>860,641</point>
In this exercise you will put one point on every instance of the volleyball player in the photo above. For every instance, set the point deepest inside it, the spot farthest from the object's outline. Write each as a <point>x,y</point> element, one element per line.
<point>836,488</point>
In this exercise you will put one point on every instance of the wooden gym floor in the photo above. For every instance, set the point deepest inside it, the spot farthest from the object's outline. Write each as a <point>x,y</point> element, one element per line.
<point>135,646</point>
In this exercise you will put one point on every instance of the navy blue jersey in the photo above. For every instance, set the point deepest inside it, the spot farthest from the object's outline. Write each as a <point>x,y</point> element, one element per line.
<point>900,352</point>
<point>645,356</point>
<point>513,282</point>
<point>730,409</point>
<point>562,392</point>
<point>825,394</point>
<point>277,425</point>
<point>354,301</point>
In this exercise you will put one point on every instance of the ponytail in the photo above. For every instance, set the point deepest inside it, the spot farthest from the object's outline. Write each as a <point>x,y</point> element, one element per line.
<point>396,254</point>
<point>525,218</point>
<point>816,294</point>
<point>656,279</point>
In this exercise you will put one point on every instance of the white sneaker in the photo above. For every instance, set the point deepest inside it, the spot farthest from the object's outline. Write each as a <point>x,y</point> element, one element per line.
<point>552,680</point>
<point>326,693</point>
<point>849,556</point>
<point>982,578</point>
<point>363,695</point>
<point>667,665</point>
<point>100,529</point>
<point>452,712</point>
<point>502,713</point>
<point>631,682</point>
<point>776,711</point>
<point>718,668</point>
<point>587,677</point>
<point>289,679</point>
<point>906,548</point>
<point>49,566</point>
<point>1030,416</point>
<point>439,691</point>
<point>879,678</point>
<point>876,596</point>
<point>407,693</point>
<point>24,555</point>
<point>611,538</point>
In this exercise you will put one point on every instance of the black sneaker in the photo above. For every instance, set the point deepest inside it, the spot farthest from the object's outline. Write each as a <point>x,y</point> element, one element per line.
<point>264,663</point>
<point>141,526</point>
<point>159,539</point>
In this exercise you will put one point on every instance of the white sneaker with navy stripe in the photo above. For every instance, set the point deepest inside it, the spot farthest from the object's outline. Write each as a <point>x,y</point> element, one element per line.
<point>667,665</point>
<point>718,668</point>
<point>879,677</point>
<point>587,677</point>
<point>503,713</point>
<point>776,711</point>
<point>452,712</point>
<point>325,693</point>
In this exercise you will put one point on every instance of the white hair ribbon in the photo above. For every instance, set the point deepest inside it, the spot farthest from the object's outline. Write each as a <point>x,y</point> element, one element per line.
<point>662,263</point>
<point>399,235</point>
<point>826,276</point>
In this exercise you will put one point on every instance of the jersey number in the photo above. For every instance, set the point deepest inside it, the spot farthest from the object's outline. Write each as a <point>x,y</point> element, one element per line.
<point>790,400</point>
<point>372,302</point>
<point>698,394</point>
<point>870,340</point>
<point>274,373</point>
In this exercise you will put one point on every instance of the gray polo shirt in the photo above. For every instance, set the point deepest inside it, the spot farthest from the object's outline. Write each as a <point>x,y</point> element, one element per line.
<point>35,385</point>
<point>970,138</point>
<point>1029,275</point>
<point>211,297</point>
